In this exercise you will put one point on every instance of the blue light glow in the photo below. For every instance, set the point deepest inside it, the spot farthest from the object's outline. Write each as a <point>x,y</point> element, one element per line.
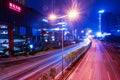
<point>31,46</point>
<point>118,30</point>
<point>101,11</point>
<point>45,20</point>
<point>99,34</point>
<point>82,31</point>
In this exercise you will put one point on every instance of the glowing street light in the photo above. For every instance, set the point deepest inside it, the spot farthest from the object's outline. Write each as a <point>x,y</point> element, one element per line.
<point>73,14</point>
<point>52,17</point>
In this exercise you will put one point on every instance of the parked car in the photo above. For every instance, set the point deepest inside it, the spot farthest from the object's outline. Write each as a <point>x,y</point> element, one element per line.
<point>2,51</point>
<point>5,51</point>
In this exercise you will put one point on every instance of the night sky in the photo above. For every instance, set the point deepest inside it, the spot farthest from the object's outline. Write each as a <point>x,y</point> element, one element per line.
<point>109,5</point>
<point>89,8</point>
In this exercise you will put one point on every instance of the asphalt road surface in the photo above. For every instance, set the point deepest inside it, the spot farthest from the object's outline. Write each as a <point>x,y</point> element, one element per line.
<point>29,68</point>
<point>98,63</point>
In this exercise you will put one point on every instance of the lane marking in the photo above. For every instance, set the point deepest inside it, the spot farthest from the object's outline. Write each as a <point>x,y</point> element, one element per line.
<point>108,75</point>
<point>110,64</point>
<point>79,65</point>
<point>90,74</point>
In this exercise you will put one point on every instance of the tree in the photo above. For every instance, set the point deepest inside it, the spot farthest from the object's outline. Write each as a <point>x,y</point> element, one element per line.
<point>44,76</point>
<point>53,72</point>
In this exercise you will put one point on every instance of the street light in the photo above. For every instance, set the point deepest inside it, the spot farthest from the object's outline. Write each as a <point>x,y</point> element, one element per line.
<point>100,16</point>
<point>52,17</point>
<point>72,14</point>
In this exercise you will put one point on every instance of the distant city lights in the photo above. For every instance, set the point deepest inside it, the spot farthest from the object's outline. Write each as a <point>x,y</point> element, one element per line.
<point>52,17</point>
<point>91,36</point>
<point>118,30</point>
<point>90,31</point>
<point>82,31</point>
<point>46,40</point>
<point>53,38</point>
<point>3,26</point>
<point>31,46</point>
<point>99,34</point>
<point>45,20</point>
<point>62,23</point>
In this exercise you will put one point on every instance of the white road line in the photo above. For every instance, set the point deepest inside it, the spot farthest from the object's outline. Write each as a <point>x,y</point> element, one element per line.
<point>108,75</point>
<point>90,74</point>
<point>112,69</point>
<point>104,60</point>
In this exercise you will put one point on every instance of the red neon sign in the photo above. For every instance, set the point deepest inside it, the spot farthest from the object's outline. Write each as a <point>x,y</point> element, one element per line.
<point>14,7</point>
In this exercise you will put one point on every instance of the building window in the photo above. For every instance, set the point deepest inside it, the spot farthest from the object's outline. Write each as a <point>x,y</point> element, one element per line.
<point>22,31</point>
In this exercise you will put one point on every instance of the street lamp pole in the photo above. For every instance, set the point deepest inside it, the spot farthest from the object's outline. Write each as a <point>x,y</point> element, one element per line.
<point>62,51</point>
<point>71,15</point>
<point>99,26</point>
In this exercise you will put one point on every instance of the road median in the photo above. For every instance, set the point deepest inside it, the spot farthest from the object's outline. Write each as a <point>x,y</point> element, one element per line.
<point>74,57</point>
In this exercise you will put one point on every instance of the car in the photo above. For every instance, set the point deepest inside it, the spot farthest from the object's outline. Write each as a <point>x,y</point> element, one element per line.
<point>5,51</point>
<point>2,50</point>
<point>18,49</point>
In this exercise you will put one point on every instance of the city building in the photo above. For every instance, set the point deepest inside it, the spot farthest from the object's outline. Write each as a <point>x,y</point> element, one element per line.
<point>19,22</point>
<point>22,2</point>
<point>110,23</point>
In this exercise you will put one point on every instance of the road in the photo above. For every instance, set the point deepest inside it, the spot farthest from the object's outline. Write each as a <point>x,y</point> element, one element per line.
<point>34,66</point>
<point>98,63</point>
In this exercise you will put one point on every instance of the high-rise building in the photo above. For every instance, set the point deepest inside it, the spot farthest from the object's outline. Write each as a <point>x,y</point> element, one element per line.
<point>23,2</point>
<point>109,22</point>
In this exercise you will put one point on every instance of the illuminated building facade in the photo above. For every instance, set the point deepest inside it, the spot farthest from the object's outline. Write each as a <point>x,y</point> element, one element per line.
<point>19,22</point>
<point>110,22</point>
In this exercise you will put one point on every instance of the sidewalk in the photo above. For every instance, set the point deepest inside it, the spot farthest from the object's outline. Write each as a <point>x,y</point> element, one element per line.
<point>17,58</point>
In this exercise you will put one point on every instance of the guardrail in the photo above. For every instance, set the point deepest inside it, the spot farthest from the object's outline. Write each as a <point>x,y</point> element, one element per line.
<point>69,69</point>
